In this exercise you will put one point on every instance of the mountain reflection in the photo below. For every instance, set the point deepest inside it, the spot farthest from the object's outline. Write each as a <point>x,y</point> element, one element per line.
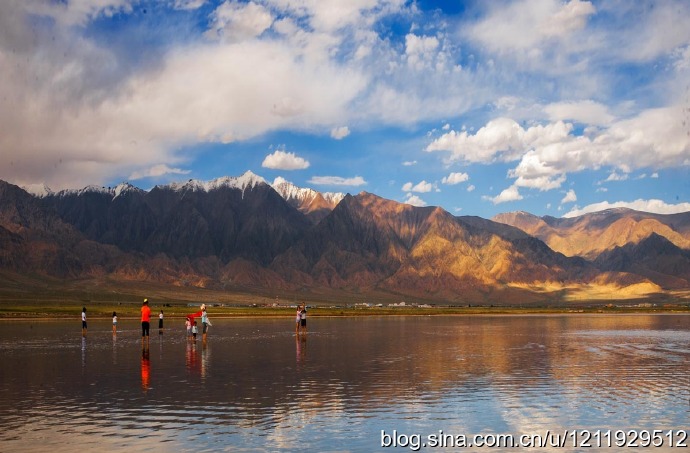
<point>475,372</point>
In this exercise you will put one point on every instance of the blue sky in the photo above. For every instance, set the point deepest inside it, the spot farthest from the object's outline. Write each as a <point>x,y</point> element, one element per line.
<point>552,107</point>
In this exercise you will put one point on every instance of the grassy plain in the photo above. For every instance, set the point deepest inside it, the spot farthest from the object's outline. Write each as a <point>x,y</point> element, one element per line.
<point>29,297</point>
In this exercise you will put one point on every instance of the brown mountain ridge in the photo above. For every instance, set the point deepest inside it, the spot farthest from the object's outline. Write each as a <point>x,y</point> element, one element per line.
<point>240,234</point>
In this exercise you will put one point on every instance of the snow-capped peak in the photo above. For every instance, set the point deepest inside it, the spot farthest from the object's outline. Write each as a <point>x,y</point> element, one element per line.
<point>124,187</point>
<point>85,190</point>
<point>246,181</point>
<point>38,190</point>
<point>289,191</point>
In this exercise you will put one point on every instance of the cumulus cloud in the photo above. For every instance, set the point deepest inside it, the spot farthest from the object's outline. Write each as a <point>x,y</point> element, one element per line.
<point>653,206</point>
<point>157,171</point>
<point>455,178</point>
<point>82,114</point>
<point>569,197</point>
<point>547,153</point>
<point>409,163</point>
<point>339,133</point>
<point>85,109</point>
<point>420,50</point>
<point>421,187</point>
<point>414,200</point>
<point>282,160</point>
<point>512,193</point>
<point>234,21</point>
<point>337,181</point>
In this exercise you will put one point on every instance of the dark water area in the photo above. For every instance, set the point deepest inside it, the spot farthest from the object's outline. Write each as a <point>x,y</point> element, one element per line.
<point>255,386</point>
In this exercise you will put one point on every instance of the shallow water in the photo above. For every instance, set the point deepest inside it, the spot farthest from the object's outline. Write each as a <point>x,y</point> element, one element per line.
<point>253,386</point>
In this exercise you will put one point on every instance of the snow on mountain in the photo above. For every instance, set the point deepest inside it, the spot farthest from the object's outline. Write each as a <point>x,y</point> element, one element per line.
<point>303,196</point>
<point>246,181</point>
<point>123,188</point>
<point>38,190</point>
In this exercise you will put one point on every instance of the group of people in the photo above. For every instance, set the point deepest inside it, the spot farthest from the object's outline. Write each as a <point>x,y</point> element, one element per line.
<point>191,324</point>
<point>145,321</point>
<point>301,319</point>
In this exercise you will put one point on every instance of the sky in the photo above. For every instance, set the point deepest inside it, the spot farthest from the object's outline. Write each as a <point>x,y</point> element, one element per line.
<point>552,107</point>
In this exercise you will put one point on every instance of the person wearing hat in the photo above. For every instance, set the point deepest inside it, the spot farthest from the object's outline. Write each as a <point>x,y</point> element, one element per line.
<point>145,321</point>
<point>204,322</point>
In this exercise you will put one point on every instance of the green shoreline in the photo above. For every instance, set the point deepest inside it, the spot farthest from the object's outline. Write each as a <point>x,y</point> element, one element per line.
<point>172,311</point>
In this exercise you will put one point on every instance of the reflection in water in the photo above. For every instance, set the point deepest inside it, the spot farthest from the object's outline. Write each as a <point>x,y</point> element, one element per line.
<point>205,359</point>
<point>512,374</point>
<point>145,368</point>
<point>83,352</point>
<point>301,347</point>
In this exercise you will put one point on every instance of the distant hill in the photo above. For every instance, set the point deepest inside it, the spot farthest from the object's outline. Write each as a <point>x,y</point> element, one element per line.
<point>590,235</point>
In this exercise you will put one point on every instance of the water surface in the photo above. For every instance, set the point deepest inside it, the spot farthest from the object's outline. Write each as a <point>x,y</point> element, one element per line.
<point>254,386</point>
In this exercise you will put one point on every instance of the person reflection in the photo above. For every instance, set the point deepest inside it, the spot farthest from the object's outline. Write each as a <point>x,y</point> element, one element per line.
<point>300,348</point>
<point>83,352</point>
<point>192,361</point>
<point>145,368</point>
<point>205,356</point>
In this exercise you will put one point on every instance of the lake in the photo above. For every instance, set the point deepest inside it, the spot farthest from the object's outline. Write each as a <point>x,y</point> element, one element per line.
<point>349,384</point>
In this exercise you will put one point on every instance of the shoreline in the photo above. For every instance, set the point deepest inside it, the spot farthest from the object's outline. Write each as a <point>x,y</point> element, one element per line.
<point>131,311</point>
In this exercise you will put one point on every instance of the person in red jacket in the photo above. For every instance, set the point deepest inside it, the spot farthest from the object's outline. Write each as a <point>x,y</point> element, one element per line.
<point>145,321</point>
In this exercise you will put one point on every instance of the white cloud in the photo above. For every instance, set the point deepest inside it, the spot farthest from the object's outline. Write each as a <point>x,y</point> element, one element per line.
<point>501,138</point>
<point>455,178</point>
<point>337,181</point>
<point>422,187</point>
<point>587,112</point>
<point>653,206</point>
<point>83,116</point>
<point>409,163</point>
<point>233,21</point>
<point>471,188</point>
<point>339,133</point>
<point>79,12</point>
<point>527,26</point>
<point>510,194</point>
<point>420,50</point>
<point>414,200</point>
<point>189,4</point>
<point>329,16</point>
<point>547,153</point>
<point>569,197</point>
<point>157,171</point>
<point>616,177</point>
<point>281,160</point>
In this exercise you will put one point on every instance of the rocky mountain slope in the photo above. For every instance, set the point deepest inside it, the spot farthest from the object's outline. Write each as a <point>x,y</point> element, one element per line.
<point>243,234</point>
<point>652,245</point>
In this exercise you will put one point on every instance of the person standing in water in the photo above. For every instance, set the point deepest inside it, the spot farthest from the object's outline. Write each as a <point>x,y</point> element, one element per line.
<point>83,322</point>
<point>114,322</point>
<point>145,322</point>
<point>204,322</point>
<point>160,322</point>
<point>298,319</point>
<point>303,318</point>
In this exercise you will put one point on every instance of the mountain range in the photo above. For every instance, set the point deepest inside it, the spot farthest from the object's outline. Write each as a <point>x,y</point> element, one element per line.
<point>241,233</point>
